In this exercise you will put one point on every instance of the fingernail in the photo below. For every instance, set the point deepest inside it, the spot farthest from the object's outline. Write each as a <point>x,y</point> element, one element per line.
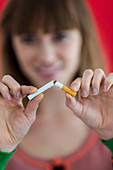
<point>18,95</point>
<point>67,99</point>
<point>33,90</point>
<point>8,96</point>
<point>105,87</point>
<point>84,93</point>
<point>95,91</point>
<point>74,88</point>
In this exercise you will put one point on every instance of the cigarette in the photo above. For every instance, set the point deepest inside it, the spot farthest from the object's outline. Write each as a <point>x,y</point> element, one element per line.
<point>41,90</point>
<point>64,88</point>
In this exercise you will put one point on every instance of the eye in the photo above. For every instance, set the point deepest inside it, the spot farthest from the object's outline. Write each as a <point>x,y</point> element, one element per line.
<point>60,36</point>
<point>29,39</point>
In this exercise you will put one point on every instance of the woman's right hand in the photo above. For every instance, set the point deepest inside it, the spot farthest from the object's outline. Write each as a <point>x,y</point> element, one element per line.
<point>15,120</point>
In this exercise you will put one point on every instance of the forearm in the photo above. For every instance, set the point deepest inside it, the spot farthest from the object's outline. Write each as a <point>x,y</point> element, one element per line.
<point>4,158</point>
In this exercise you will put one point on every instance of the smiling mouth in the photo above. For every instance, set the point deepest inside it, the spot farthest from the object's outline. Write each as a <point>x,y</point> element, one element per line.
<point>48,73</point>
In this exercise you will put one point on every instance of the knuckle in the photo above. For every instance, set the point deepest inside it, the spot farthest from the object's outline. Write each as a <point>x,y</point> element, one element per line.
<point>3,87</point>
<point>99,71</point>
<point>76,80</point>
<point>16,87</point>
<point>110,75</point>
<point>88,72</point>
<point>10,81</point>
<point>109,80</point>
<point>5,77</point>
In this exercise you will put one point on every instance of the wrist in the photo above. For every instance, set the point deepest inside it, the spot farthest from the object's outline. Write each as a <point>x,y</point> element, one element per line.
<point>4,158</point>
<point>7,149</point>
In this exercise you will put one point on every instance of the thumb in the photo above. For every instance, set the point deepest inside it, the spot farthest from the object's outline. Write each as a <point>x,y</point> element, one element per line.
<point>32,106</point>
<point>74,105</point>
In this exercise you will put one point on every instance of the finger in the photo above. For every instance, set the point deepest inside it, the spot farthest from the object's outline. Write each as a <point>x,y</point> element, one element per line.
<point>108,82</point>
<point>86,82</point>
<point>98,77</point>
<point>13,85</point>
<point>25,90</point>
<point>74,105</point>
<point>32,106</point>
<point>76,84</point>
<point>4,91</point>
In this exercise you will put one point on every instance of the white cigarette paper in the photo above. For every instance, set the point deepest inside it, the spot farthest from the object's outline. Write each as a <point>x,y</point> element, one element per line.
<point>65,88</point>
<point>57,84</point>
<point>41,90</point>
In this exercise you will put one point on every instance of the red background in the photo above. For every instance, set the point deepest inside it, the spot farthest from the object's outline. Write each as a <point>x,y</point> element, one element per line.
<point>102,12</point>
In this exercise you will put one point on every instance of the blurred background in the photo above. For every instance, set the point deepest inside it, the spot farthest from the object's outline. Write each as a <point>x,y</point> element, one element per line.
<point>102,14</point>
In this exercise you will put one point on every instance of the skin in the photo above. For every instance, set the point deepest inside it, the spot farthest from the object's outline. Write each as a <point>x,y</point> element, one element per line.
<point>44,57</point>
<point>95,101</point>
<point>94,88</point>
<point>15,119</point>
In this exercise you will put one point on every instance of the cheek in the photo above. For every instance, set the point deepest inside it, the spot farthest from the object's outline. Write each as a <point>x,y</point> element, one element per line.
<point>72,54</point>
<point>25,56</point>
<point>72,59</point>
<point>73,63</point>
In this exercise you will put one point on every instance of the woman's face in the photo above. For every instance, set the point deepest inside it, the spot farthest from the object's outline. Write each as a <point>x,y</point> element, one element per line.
<point>52,56</point>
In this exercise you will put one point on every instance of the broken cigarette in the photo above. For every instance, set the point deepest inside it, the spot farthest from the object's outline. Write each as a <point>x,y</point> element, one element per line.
<point>49,85</point>
<point>41,90</point>
<point>64,88</point>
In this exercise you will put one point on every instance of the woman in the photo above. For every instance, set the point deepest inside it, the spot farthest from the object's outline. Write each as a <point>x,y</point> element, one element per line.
<point>53,40</point>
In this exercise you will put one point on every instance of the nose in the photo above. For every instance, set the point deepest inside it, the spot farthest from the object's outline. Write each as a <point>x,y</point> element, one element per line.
<point>47,54</point>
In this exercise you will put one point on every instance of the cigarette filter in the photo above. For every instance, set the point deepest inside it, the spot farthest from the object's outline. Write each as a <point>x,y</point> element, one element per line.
<point>41,90</point>
<point>64,88</point>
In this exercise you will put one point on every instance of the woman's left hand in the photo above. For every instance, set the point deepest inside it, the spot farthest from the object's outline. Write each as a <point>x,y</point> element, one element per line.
<point>95,101</point>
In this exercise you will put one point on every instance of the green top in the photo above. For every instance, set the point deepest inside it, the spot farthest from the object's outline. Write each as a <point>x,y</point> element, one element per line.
<point>109,144</point>
<point>4,158</point>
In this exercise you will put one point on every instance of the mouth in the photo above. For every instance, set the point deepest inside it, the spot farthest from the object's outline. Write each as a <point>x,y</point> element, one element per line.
<point>49,72</point>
